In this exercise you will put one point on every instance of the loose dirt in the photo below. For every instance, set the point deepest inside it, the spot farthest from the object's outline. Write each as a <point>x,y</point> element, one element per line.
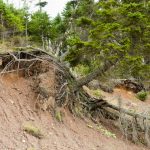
<point>128,100</point>
<point>17,102</point>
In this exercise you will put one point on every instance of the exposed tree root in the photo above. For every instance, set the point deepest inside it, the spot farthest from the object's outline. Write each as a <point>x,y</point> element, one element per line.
<point>69,93</point>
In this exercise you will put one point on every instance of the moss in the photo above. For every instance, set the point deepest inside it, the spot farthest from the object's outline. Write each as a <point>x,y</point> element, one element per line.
<point>58,115</point>
<point>33,130</point>
<point>106,132</point>
<point>96,93</point>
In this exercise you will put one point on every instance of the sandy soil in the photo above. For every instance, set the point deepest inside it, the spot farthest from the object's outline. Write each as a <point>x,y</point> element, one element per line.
<point>17,102</point>
<point>128,100</point>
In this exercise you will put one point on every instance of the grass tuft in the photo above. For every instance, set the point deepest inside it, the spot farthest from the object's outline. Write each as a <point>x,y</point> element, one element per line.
<point>33,130</point>
<point>58,115</point>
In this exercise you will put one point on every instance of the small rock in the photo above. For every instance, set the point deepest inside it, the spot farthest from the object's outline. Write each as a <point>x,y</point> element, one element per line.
<point>32,119</point>
<point>94,84</point>
<point>23,141</point>
<point>12,102</point>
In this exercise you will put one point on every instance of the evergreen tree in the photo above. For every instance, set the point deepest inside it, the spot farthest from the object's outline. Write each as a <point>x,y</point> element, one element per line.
<point>117,30</point>
<point>40,27</point>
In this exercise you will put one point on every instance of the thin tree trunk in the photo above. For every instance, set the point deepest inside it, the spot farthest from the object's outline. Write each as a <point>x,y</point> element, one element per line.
<point>26,31</point>
<point>2,23</point>
<point>43,44</point>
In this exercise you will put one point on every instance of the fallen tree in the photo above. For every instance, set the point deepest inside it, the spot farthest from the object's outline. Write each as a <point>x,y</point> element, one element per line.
<point>68,91</point>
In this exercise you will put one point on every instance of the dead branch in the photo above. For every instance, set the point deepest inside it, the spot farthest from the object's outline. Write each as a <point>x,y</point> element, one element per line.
<point>24,60</point>
<point>135,115</point>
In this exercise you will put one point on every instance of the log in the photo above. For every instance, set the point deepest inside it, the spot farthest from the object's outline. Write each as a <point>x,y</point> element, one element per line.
<point>131,85</point>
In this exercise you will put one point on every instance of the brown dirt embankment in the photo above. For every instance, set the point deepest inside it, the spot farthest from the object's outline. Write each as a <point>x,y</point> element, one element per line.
<point>17,102</point>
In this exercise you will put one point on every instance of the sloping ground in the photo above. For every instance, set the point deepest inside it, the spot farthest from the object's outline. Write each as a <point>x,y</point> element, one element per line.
<point>128,100</point>
<point>124,98</point>
<point>17,102</point>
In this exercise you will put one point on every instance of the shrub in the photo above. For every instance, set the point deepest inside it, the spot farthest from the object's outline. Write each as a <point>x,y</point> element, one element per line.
<point>96,93</point>
<point>82,70</point>
<point>142,95</point>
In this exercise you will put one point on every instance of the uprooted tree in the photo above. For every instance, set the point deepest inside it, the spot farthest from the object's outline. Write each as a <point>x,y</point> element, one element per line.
<point>105,36</point>
<point>68,91</point>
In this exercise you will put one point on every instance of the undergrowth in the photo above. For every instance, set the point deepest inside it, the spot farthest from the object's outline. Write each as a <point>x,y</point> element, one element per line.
<point>142,95</point>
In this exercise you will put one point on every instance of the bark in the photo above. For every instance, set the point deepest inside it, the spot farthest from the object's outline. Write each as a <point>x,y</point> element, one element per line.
<point>2,23</point>
<point>26,31</point>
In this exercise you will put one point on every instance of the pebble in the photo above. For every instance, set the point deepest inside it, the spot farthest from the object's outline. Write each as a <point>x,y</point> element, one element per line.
<point>23,141</point>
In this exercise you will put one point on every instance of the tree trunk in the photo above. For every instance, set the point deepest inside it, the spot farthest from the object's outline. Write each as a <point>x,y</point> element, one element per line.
<point>26,31</point>
<point>98,72</point>
<point>43,44</point>
<point>2,23</point>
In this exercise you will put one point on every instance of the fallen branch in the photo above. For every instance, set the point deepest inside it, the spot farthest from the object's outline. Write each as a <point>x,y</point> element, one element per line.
<point>127,112</point>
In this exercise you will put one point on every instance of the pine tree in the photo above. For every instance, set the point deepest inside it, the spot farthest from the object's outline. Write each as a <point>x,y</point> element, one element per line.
<point>117,30</point>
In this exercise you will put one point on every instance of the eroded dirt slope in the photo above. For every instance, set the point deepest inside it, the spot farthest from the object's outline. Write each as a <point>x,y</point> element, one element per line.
<point>17,107</point>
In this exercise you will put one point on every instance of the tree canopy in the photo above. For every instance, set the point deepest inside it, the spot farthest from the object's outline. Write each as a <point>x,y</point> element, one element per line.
<point>88,33</point>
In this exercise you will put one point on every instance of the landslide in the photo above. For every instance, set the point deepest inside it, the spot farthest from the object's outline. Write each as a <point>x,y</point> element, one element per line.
<point>17,102</point>
<point>31,94</point>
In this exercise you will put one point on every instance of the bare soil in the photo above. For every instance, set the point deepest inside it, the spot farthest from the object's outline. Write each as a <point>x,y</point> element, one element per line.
<point>17,102</point>
<point>129,100</point>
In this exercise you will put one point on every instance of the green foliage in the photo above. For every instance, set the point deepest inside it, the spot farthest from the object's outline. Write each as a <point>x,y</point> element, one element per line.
<point>90,32</point>
<point>114,30</point>
<point>11,18</point>
<point>57,27</point>
<point>82,70</point>
<point>40,25</point>
<point>142,95</point>
<point>83,21</point>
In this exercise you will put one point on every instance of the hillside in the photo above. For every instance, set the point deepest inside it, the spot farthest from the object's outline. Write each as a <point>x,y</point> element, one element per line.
<point>17,100</point>
<point>79,80</point>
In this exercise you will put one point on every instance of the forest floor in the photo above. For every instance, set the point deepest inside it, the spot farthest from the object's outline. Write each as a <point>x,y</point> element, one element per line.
<point>17,102</point>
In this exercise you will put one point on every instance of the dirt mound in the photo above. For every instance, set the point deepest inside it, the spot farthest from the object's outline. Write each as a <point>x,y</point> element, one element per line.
<point>17,101</point>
